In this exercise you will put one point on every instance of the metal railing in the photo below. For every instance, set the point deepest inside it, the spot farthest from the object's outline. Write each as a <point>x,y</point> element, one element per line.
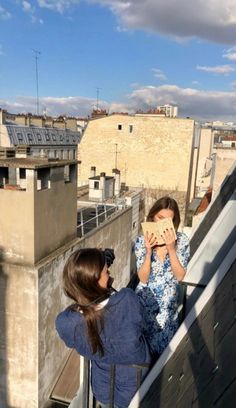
<point>91,217</point>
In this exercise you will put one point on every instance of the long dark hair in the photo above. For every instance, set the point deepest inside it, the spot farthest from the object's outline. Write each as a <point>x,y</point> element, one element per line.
<point>164,203</point>
<point>80,280</point>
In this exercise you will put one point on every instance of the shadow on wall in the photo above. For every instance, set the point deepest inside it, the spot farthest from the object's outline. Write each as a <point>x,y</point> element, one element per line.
<point>3,338</point>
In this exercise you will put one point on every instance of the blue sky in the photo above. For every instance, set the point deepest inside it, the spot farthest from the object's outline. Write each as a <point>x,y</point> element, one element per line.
<point>137,54</point>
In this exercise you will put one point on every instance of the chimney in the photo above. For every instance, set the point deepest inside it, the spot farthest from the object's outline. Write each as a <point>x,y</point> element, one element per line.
<point>2,116</point>
<point>116,173</point>
<point>102,185</point>
<point>93,171</point>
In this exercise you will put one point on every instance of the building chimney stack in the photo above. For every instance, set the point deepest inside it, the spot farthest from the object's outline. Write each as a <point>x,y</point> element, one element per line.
<point>116,173</point>
<point>93,171</point>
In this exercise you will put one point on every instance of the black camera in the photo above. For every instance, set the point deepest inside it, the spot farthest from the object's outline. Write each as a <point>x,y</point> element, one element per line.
<point>109,256</point>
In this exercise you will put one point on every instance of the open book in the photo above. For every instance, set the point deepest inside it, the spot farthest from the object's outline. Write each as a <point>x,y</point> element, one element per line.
<point>157,228</point>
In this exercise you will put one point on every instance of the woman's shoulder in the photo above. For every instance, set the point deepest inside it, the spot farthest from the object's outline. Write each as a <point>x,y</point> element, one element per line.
<point>126,294</point>
<point>67,319</point>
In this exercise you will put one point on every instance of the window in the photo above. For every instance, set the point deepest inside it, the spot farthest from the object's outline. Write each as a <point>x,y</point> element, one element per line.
<point>30,137</point>
<point>39,137</point>
<point>4,176</point>
<point>70,173</point>
<point>130,128</point>
<point>47,137</point>
<point>119,127</point>
<point>54,137</point>
<point>43,178</point>
<point>20,137</point>
<point>22,173</point>
<point>96,185</point>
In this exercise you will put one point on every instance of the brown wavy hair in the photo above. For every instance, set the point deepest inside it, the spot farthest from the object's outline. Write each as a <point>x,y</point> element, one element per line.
<point>165,203</point>
<point>81,274</point>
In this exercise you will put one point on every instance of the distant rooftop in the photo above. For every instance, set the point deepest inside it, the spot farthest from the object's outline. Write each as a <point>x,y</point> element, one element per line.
<point>34,163</point>
<point>19,134</point>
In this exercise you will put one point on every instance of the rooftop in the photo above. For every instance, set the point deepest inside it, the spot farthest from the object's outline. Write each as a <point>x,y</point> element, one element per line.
<point>34,162</point>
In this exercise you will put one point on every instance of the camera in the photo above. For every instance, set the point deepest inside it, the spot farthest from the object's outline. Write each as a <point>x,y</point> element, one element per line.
<point>109,256</point>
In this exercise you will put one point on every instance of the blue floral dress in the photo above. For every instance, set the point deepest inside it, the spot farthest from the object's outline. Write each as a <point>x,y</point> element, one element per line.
<point>160,294</point>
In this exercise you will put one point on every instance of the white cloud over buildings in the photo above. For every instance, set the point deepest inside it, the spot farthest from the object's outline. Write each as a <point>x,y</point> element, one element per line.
<point>195,103</point>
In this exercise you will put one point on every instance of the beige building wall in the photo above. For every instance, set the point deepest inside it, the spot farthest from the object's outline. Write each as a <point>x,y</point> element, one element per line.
<point>17,224</point>
<point>152,152</point>
<point>4,138</point>
<point>205,151</point>
<point>19,336</point>
<point>38,121</point>
<point>21,120</point>
<point>55,214</point>
<point>225,159</point>
<point>71,123</point>
<point>29,226</point>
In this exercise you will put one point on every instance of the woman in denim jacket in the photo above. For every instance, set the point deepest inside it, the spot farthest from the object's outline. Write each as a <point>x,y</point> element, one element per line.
<point>104,326</point>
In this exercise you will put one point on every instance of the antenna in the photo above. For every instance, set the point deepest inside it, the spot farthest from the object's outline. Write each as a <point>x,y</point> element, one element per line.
<point>116,153</point>
<point>98,89</point>
<point>36,56</point>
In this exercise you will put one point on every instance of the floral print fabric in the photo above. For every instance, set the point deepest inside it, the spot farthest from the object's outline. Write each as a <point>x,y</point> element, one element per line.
<point>160,294</point>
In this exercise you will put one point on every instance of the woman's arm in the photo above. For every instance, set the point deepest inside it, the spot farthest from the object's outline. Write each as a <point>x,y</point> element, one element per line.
<point>177,268</point>
<point>145,268</point>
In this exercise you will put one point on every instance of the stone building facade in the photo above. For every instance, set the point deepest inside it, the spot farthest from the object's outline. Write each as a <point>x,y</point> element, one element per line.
<point>150,151</point>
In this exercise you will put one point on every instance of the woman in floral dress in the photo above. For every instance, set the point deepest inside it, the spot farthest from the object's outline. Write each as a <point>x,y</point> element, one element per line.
<point>160,268</point>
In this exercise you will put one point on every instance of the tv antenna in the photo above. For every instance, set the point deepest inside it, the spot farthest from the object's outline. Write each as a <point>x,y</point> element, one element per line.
<point>98,89</point>
<point>36,56</point>
<point>116,153</point>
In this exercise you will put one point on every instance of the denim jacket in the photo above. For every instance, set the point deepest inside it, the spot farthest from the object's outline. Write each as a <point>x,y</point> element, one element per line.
<point>123,342</point>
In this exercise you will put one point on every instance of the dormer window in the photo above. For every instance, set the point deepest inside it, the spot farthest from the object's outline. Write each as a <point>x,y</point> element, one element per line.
<point>20,137</point>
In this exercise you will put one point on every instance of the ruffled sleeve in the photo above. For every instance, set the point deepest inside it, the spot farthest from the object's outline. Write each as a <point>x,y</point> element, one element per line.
<point>183,249</point>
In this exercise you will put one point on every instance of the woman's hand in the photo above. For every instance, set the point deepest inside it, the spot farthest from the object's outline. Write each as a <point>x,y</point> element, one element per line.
<point>169,239</point>
<point>150,241</point>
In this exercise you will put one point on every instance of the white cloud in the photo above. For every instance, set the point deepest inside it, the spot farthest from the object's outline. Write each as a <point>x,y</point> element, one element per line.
<point>31,10</point>
<point>198,104</point>
<point>213,20</point>
<point>4,14</point>
<point>26,6</point>
<point>230,54</point>
<point>159,74</point>
<point>76,106</point>
<point>219,69</point>
<point>57,5</point>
